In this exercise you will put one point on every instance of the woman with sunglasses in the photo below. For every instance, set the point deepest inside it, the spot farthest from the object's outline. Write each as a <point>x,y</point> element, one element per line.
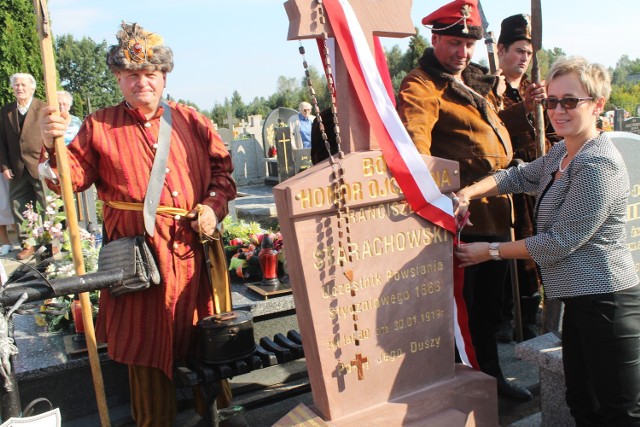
<point>582,189</point>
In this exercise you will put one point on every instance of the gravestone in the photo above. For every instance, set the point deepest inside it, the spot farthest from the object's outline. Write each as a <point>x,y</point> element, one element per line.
<point>277,118</point>
<point>254,128</point>
<point>225,135</point>
<point>286,168</point>
<point>632,125</point>
<point>301,159</point>
<point>629,146</point>
<point>378,336</point>
<point>248,161</point>
<point>231,122</point>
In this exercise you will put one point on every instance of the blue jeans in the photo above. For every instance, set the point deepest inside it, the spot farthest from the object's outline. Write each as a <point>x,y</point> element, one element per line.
<point>601,357</point>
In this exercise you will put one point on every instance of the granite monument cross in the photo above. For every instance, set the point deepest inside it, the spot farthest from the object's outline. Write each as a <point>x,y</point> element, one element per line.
<point>379,344</point>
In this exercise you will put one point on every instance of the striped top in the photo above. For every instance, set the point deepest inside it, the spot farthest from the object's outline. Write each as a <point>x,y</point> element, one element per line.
<point>580,218</point>
<point>115,150</point>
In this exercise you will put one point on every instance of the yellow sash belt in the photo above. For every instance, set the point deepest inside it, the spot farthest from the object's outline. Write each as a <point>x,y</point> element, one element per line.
<point>220,284</point>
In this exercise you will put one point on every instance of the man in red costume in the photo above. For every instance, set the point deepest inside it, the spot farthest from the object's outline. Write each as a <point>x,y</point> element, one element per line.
<point>115,149</point>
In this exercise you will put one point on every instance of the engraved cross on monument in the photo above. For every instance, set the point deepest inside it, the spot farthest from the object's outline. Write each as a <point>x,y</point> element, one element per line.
<point>379,345</point>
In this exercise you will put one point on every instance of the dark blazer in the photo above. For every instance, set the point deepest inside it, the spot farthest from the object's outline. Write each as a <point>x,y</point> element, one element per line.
<point>20,150</point>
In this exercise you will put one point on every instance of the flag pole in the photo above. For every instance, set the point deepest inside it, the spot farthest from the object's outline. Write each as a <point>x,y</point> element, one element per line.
<point>50,84</point>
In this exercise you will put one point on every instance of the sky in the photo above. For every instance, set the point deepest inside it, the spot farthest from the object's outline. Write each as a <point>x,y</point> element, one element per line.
<point>221,46</point>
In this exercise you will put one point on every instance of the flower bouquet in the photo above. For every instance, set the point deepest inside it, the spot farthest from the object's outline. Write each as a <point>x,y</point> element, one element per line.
<point>43,226</point>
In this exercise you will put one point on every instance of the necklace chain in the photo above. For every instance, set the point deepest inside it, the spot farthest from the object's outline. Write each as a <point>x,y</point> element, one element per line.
<point>562,169</point>
<point>338,182</point>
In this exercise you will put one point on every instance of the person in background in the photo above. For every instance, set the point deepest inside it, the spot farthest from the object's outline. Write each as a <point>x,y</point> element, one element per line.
<point>515,52</point>
<point>300,126</point>
<point>115,149</point>
<point>6,218</point>
<point>20,147</point>
<point>65,101</point>
<point>450,110</point>
<point>582,189</point>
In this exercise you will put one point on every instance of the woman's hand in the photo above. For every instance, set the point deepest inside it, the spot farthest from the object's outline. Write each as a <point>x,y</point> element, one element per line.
<point>461,208</point>
<point>472,253</point>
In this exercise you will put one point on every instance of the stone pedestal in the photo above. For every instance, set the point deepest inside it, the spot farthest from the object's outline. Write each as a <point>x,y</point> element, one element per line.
<point>546,352</point>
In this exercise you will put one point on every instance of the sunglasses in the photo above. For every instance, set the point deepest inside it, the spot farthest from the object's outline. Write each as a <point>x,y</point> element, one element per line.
<point>568,103</point>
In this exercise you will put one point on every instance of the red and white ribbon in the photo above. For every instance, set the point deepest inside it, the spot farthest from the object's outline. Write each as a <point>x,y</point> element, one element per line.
<point>400,153</point>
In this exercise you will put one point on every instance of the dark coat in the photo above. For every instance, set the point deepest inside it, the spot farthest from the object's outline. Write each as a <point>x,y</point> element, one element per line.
<point>445,119</point>
<point>20,150</point>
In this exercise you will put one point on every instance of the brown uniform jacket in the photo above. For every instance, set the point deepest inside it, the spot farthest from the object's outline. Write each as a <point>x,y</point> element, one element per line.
<point>20,150</point>
<point>448,120</point>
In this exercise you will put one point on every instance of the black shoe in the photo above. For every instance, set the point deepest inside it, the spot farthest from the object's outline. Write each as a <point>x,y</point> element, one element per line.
<point>505,332</point>
<point>513,391</point>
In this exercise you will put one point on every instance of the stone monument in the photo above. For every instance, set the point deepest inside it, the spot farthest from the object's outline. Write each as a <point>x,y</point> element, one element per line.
<point>378,336</point>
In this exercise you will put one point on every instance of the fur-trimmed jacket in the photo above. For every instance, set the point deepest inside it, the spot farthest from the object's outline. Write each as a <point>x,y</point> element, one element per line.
<point>448,119</point>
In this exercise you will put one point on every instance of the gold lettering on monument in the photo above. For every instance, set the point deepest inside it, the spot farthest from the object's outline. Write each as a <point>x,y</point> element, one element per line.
<point>410,321</point>
<point>390,356</point>
<point>379,184</point>
<point>633,212</point>
<point>427,344</point>
<point>344,340</point>
<point>346,369</point>
<point>380,246</point>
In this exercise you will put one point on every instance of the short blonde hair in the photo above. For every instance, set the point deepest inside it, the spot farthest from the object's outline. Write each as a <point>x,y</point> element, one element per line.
<point>594,77</point>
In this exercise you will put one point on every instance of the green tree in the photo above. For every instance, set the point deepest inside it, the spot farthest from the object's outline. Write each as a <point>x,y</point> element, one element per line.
<point>319,83</point>
<point>546,58</point>
<point>625,96</point>
<point>416,48</point>
<point>288,93</point>
<point>83,72</point>
<point>624,68</point>
<point>238,109</point>
<point>19,46</point>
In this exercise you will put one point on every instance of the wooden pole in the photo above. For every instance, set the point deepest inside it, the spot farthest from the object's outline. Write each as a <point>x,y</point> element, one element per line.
<point>50,84</point>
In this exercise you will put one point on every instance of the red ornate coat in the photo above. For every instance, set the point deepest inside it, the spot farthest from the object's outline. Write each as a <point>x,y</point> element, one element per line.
<point>459,122</point>
<point>115,150</point>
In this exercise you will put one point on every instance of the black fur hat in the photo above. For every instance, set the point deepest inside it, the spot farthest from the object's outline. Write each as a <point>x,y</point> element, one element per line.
<point>514,28</point>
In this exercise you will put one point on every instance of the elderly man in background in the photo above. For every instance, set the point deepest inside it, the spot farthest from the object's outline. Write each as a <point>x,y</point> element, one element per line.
<point>300,126</point>
<point>115,149</point>
<point>20,147</point>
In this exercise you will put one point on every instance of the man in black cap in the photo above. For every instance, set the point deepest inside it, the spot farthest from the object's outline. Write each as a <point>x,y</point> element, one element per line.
<point>515,52</point>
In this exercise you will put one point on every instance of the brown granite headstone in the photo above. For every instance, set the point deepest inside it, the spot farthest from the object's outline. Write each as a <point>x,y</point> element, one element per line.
<point>378,344</point>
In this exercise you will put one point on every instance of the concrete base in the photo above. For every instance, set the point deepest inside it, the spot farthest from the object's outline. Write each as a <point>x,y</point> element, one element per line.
<point>546,352</point>
<point>469,399</point>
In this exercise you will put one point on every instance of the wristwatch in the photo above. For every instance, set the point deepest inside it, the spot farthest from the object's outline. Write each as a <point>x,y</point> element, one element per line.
<point>494,251</point>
